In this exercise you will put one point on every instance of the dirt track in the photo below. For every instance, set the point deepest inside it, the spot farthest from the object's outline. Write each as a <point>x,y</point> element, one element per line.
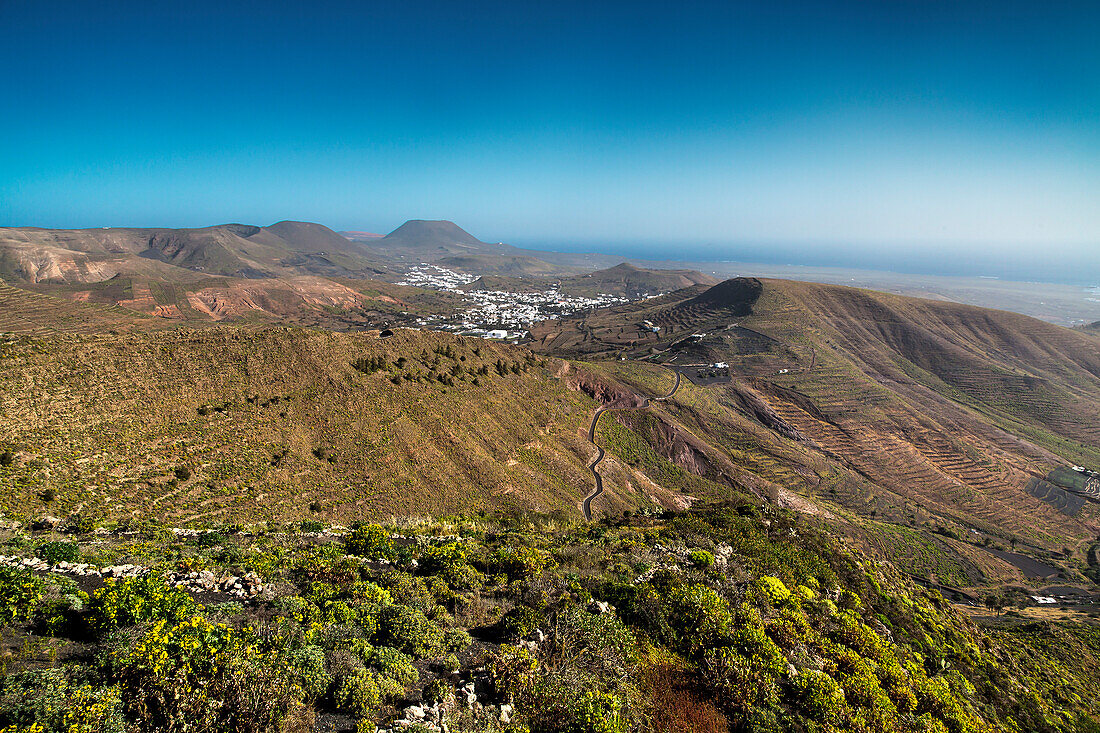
<point>587,506</point>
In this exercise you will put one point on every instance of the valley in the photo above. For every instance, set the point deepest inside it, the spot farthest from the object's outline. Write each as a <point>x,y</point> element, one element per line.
<point>619,426</point>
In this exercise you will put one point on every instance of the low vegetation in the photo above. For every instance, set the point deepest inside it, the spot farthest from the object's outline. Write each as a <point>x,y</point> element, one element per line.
<point>731,616</point>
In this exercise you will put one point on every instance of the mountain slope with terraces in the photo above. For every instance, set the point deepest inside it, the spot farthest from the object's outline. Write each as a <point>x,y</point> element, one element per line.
<point>948,420</point>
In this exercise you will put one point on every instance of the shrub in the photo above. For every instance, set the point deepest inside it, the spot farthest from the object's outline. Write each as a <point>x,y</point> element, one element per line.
<point>135,600</point>
<point>58,551</point>
<point>207,540</point>
<point>196,675</point>
<point>369,540</point>
<point>522,562</point>
<point>7,458</point>
<point>20,592</point>
<point>455,640</point>
<point>437,690</point>
<point>395,665</point>
<point>819,695</point>
<point>362,692</point>
<point>47,702</point>
<point>773,589</point>
<point>308,665</point>
<point>80,524</point>
<point>311,525</point>
<point>408,630</point>
<point>698,617</point>
<point>702,559</point>
<point>183,473</point>
<point>520,622</point>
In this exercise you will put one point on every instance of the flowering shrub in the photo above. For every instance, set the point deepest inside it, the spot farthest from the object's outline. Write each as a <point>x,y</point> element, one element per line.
<point>20,591</point>
<point>701,559</point>
<point>369,540</point>
<point>198,676</point>
<point>47,702</point>
<point>820,696</point>
<point>522,562</point>
<point>363,691</point>
<point>698,616</point>
<point>395,665</point>
<point>408,630</point>
<point>134,600</point>
<point>773,589</point>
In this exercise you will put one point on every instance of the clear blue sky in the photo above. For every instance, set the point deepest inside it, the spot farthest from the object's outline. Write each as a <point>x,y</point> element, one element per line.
<point>960,128</point>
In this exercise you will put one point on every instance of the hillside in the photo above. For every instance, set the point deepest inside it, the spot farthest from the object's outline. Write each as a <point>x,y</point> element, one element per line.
<point>623,280</point>
<point>773,543</point>
<point>944,419</point>
<point>30,255</point>
<point>626,280</point>
<point>267,422</point>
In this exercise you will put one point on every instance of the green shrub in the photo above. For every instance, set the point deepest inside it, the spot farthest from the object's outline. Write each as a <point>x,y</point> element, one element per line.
<point>58,551</point>
<point>135,600</point>
<point>819,695</point>
<point>363,691</point>
<point>207,540</point>
<point>702,559</point>
<point>308,665</point>
<point>698,617</point>
<point>520,622</point>
<point>311,525</point>
<point>47,702</point>
<point>773,589</point>
<point>437,690</point>
<point>20,592</point>
<point>455,640</point>
<point>395,665</point>
<point>408,630</point>
<point>80,524</point>
<point>522,562</point>
<point>369,540</point>
<point>199,676</point>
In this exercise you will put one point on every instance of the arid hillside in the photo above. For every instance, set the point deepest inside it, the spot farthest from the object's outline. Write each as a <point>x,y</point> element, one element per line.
<point>236,424</point>
<point>954,422</point>
<point>32,255</point>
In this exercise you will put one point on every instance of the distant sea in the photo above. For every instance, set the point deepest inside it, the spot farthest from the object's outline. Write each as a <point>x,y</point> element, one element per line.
<point>1080,267</point>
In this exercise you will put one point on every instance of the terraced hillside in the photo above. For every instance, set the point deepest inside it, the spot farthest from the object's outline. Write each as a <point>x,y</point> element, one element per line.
<point>924,414</point>
<point>27,312</point>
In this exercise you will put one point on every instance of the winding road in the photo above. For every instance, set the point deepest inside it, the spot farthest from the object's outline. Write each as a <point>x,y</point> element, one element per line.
<point>587,506</point>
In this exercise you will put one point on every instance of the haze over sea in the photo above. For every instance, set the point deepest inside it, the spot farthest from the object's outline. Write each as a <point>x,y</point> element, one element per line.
<point>1072,266</point>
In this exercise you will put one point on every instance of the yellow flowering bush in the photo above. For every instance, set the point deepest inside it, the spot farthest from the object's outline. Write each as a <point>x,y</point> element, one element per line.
<point>197,676</point>
<point>48,702</point>
<point>773,589</point>
<point>134,600</point>
<point>20,592</point>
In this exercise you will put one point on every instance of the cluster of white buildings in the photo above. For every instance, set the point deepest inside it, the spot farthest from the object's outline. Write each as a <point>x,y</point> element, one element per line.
<point>436,278</point>
<point>496,308</point>
<point>523,309</point>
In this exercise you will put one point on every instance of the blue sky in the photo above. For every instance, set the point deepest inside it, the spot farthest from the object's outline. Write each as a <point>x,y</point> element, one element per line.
<point>847,129</point>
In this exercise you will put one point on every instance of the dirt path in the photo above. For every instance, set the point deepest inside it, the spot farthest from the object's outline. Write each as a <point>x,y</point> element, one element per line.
<point>587,506</point>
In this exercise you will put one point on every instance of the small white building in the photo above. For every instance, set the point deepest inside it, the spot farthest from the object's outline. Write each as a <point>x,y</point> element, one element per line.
<point>497,334</point>
<point>719,365</point>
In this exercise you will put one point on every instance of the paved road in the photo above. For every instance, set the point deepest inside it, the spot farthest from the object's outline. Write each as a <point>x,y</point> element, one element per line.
<point>587,506</point>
